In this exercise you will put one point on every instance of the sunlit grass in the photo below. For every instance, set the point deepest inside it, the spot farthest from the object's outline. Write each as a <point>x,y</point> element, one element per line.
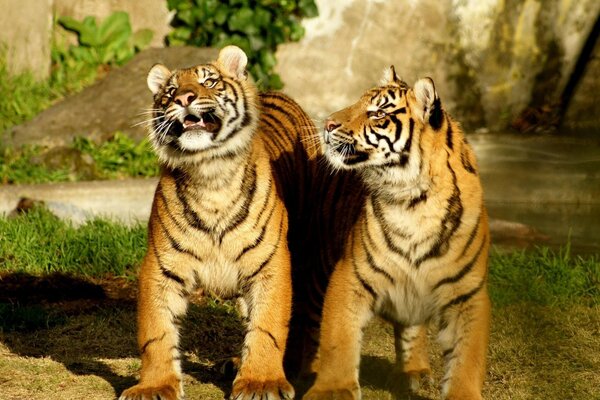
<point>544,276</point>
<point>116,158</point>
<point>38,243</point>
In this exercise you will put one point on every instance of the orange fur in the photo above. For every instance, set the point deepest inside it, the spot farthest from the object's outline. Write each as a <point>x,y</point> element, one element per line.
<point>219,220</point>
<point>417,253</point>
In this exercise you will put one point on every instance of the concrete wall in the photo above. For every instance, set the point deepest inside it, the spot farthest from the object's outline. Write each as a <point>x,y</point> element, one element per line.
<point>143,14</point>
<point>490,59</point>
<point>26,32</point>
<point>28,28</point>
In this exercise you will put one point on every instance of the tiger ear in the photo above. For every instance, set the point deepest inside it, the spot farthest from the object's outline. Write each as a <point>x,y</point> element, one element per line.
<point>390,77</point>
<point>232,61</point>
<point>157,77</point>
<point>429,106</point>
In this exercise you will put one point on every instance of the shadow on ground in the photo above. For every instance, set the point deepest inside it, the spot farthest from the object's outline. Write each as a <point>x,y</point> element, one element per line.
<point>80,323</point>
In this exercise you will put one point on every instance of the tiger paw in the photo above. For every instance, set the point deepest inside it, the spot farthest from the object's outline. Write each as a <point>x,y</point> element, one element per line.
<point>247,389</point>
<point>336,394</point>
<point>148,392</point>
<point>419,379</point>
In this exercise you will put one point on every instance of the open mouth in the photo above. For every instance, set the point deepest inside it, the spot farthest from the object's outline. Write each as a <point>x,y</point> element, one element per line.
<point>207,122</point>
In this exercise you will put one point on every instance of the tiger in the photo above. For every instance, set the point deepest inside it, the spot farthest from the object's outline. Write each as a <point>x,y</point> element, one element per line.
<point>417,253</point>
<point>230,157</point>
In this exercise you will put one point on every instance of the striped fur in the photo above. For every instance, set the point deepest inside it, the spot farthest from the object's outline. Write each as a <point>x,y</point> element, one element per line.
<point>417,253</point>
<point>231,158</point>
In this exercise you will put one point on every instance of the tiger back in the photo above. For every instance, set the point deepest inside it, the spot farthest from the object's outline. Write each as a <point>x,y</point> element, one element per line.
<point>417,252</point>
<point>230,160</point>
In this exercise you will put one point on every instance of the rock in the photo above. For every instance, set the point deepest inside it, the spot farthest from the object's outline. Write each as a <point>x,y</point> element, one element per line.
<point>115,103</point>
<point>143,14</point>
<point>490,59</point>
<point>27,33</point>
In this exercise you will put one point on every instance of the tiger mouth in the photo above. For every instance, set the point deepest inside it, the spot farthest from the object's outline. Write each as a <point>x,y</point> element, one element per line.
<point>349,154</point>
<point>208,122</point>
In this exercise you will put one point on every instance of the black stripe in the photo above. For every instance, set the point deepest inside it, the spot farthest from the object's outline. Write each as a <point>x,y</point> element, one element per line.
<point>472,234</point>
<point>466,163</point>
<point>259,239</point>
<point>435,119</point>
<point>411,128</point>
<point>190,215</point>
<point>417,200</point>
<point>242,214</point>
<point>449,133</point>
<point>363,282</point>
<point>372,262</point>
<point>166,273</point>
<point>269,334</point>
<point>463,297</point>
<point>150,341</point>
<point>449,224</point>
<point>174,243</point>
<point>269,257</point>
<point>464,270</point>
<point>379,218</point>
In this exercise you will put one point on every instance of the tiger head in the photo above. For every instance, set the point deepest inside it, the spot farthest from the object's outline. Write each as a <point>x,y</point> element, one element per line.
<point>383,129</point>
<point>204,111</point>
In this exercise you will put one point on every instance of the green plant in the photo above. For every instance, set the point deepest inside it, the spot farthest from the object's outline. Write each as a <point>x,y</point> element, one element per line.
<point>117,157</point>
<point>111,42</point>
<point>256,26</point>
<point>544,276</point>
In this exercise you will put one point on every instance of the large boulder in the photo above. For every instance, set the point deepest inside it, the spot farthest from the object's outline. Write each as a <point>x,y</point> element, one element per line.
<point>116,103</point>
<point>491,60</point>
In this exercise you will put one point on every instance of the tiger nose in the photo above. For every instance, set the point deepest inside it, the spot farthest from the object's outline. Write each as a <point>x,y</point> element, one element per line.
<point>185,99</point>
<point>330,125</point>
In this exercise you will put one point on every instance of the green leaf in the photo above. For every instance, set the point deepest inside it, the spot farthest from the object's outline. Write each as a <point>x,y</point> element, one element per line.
<point>114,27</point>
<point>242,21</point>
<point>70,24</point>
<point>142,38</point>
<point>221,15</point>
<point>88,35</point>
<point>308,8</point>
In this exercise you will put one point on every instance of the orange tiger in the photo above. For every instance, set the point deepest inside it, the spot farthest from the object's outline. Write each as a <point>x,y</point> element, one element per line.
<point>418,251</point>
<point>230,160</point>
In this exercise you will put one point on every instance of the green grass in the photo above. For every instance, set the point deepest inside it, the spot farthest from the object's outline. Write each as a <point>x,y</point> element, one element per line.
<point>543,276</point>
<point>116,158</point>
<point>38,243</point>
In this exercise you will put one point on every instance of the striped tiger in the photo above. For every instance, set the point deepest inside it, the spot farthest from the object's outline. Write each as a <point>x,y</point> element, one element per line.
<point>418,251</point>
<point>219,219</point>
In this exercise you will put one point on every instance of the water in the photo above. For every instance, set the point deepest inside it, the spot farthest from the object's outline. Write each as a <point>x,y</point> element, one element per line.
<point>549,184</point>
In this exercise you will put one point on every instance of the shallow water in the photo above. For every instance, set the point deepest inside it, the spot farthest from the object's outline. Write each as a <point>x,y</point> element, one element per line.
<point>549,183</point>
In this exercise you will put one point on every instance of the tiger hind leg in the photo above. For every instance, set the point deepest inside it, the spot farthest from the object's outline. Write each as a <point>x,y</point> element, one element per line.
<point>463,337</point>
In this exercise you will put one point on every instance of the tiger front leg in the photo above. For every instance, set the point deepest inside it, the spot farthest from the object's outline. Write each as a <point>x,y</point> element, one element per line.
<point>463,337</point>
<point>412,356</point>
<point>346,310</point>
<point>269,300</point>
<point>161,301</point>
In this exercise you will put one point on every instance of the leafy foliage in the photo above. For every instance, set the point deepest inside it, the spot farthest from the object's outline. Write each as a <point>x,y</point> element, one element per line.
<point>115,158</point>
<point>256,26</point>
<point>99,46</point>
<point>111,42</point>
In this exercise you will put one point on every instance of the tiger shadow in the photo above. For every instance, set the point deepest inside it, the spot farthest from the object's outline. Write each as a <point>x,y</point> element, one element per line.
<point>75,322</point>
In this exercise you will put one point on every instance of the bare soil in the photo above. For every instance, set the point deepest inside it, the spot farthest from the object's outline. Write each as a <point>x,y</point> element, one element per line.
<point>69,338</point>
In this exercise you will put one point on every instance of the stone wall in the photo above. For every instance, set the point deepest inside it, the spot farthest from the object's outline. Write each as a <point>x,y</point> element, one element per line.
<point>28,28</point>
<point>490,59</point>
<point>26,34</point>
<point>143,14</point>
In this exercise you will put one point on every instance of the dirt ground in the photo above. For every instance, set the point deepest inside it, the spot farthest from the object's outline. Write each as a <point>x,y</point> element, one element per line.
<point>66,338</point>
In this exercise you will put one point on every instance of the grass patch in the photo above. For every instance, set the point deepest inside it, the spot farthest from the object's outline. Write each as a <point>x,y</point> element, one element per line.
<point>544,276</point>
<point>117,158</point>
<point>39,243</point>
